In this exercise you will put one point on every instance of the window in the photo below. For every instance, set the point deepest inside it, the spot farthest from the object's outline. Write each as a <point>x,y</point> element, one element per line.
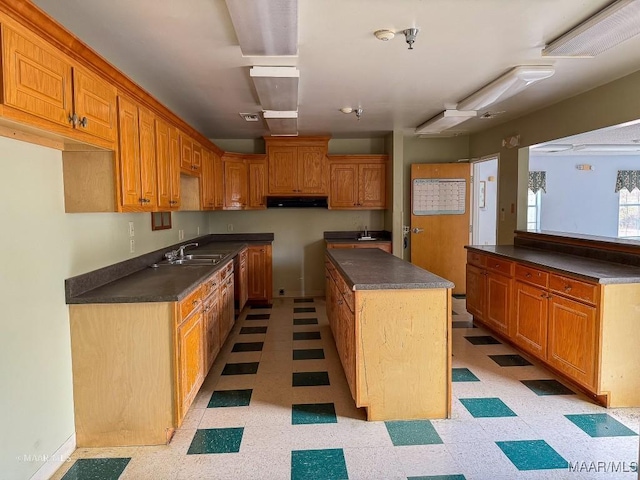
<point>533,210</point>
<point>629,213</point>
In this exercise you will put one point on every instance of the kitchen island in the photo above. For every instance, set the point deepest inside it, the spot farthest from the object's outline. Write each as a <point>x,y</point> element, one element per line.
<point>391,322</point>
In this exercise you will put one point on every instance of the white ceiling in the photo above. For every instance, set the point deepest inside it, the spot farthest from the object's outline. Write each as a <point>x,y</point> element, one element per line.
<point>186,54</point>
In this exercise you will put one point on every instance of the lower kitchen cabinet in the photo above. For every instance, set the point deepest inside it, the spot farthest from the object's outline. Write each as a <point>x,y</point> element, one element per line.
<point>241,279</point>
<point>582,330</point>
<point>260,276</point>
<point>383,245</point>
<point>137,367</point>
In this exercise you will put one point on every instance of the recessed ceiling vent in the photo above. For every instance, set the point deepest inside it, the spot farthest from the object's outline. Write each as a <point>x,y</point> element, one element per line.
<point>250,117</point>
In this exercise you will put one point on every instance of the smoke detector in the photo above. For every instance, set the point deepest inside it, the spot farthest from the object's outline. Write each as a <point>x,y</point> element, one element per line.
<point>250,117</point>
<point>384,35</point>
<point>491,114</point>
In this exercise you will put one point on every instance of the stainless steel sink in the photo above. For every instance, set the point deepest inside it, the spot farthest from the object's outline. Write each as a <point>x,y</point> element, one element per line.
<point>206,256</point>
<point>185,262</point>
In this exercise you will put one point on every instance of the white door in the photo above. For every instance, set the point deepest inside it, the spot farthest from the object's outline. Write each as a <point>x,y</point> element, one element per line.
<point>485,202</point>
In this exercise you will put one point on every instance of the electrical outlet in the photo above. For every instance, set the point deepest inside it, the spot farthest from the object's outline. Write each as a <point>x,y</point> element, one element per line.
<point>180,234</point>
<point>132,232</point>
<point>198,231</point>
<point>132,245</point>
<point>230,227</point>
<point>281,292</point>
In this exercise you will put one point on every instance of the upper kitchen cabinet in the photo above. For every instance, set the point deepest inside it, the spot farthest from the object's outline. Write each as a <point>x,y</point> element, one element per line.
<point>138,188</point>
<point>358,182</point>
<point>208,181</point>
<point>191,155</point>
<point>244,181</point>
<point>297,166</point>
<point>43,88</point>
<point>168,165</point>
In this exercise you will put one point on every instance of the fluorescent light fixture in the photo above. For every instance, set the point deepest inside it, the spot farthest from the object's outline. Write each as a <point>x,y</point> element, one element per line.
<point>277,87</point>
<point>281,123</point>
<point>445,120</point>
<point>611,26</point>
<point>265,27</point>
<point>552,148</point>
<point>506,86</point>
<point>609,147</point>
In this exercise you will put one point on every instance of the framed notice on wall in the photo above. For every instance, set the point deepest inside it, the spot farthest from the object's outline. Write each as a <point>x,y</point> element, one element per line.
<point>438,196</point>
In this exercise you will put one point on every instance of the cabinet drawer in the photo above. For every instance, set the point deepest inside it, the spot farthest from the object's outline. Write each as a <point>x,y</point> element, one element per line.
<point>189,304</point>
<point>476,259</point>
<point>532,275</point>
<point>226,270</point>
<point>347,293</point>
<point>498,265</point>
<point>571,287</point>
<point>210,285</point>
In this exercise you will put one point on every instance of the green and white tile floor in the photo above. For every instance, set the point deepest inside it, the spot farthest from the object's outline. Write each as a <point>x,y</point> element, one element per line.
<point>276,405</point>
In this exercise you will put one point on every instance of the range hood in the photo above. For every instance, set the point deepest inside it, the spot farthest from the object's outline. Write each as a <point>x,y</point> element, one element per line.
<point>297,202</point>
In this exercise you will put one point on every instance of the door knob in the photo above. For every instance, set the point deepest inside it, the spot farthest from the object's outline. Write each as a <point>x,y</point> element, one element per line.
<point>417,230</point>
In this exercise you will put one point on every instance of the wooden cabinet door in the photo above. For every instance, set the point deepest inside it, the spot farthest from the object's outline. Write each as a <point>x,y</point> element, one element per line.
<point>163,164</point>
<point>148,182</point>
<point>235,184</point>
<point>207,182</point>
<point>530,319</point>
<point>129,150</point>
<point>372,186</point>
<point>498,306</point>
<point>196,159</point>
<point>243,293</point>
<point>186,153</point>
<point>94,104</point>
<point>211,328</point>
<point>219,181</point>
<point>257,184</point>
<point>344,186</point>
<point>348,344</point>
<point>573,339</point>
<point>190,352</point>
<point>476,291</point>
<point>224,315</point>
<point>283,170</point>
<point>37,78</point>
<point>259,273</point>
<point>174,162</point>
<point>311,168</point>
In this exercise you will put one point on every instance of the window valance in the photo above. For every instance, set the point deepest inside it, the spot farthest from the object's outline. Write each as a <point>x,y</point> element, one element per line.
<point>628,179</point>
<point>538,181</point>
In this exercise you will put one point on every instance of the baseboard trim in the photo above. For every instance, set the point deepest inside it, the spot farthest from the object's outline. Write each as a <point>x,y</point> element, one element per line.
<point>55,461</point>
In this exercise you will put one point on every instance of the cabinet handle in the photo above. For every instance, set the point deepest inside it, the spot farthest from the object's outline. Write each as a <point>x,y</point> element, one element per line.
<point>84,122</point>
<point>340,302</point>
<point>567,288</point>
<point>528,275</point>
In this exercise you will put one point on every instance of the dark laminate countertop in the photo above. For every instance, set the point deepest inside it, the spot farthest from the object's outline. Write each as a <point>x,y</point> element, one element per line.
<point>139,282</point>
<point>373,269</point>
<point>593,270</point>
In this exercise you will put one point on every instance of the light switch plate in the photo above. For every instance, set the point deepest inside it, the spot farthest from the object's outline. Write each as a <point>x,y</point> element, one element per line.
<point>132,231</point>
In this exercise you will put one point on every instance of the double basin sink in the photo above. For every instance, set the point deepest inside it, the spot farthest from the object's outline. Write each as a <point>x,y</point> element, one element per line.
<point>195,259</point>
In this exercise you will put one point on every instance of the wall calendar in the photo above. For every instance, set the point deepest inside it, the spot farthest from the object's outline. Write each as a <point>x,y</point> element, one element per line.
<point>438,196</point>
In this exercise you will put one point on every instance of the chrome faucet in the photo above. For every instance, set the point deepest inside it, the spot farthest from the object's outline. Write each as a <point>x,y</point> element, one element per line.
<point>365,234</point>
<point>180,251</point>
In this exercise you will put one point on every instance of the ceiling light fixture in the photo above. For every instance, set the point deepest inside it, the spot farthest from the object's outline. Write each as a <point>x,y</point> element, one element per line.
<point>250,117</point>
<point>611,26</point>
<point>551,148</point>
<point>358,111</point>
<point>384,35</point>
<point>281,123</point>
<point>277,87</point>
<point>506,86</point>
<point>445,120</point>
<point>410,35</point>
<point>265,27</point>
<point>608,147</point>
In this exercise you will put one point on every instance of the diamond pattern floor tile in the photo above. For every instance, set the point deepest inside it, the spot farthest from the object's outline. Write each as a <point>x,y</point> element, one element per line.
<point>97,468</point>
<point>310,379</point>
<point>326,464</point>
<point>304,309</point>
<point>532,455</point>
<point>230,398</point>
<point>305,321</point>
<point>306,336</point>
<point>303,300</point>
<point>600,425</point>
<point>248,347</point>
<point>487,407</point>
<point>308,413</point>
<point>216,440</point>
<point>482,340</point>
<point>248,368</point>
<point>252,330</point>
<point>463,375</point>
<point>547,387</point>
<point>308,354</point>
<point>258,316</point>
<point>510,360</point>
<point>412,432</point>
